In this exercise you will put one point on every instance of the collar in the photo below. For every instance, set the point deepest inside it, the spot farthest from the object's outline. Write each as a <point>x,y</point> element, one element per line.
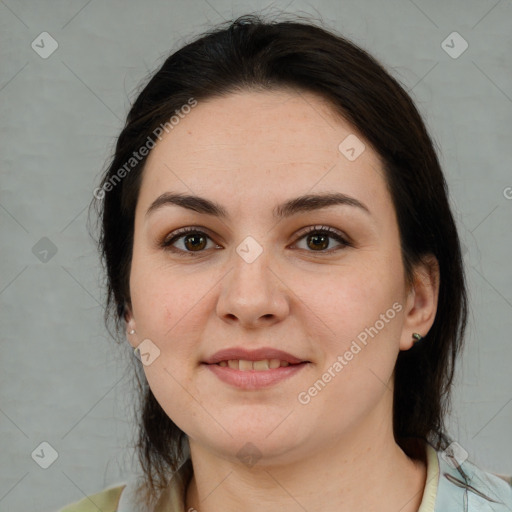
<point>463,486</point>
<point>453,484</point>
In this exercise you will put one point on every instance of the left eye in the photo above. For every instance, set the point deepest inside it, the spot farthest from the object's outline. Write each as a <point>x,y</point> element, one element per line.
<point>318,239</point>
<point>196,241</point>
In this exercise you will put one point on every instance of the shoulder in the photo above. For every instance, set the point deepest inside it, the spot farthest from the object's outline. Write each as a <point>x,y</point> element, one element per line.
<point>464,483</point>
<point>507,478</point>
<point>106,501</point>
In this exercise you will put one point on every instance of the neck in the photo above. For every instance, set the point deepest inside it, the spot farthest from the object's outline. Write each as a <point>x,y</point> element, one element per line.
<point>363,470</point>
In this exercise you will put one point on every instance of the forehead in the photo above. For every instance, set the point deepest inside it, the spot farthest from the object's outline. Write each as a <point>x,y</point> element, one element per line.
<point>264,145</point>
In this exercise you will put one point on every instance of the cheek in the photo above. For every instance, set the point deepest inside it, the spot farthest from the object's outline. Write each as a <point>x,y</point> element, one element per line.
<point>361,311</point>
<point>349,299</point>
<point>177,394</point>
<point>167,311</point>
<point>161,296</point>
<point>171,309</point>
<point>358,337</point>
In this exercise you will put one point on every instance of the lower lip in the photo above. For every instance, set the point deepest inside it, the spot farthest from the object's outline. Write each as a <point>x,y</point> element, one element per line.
<point>254,379</point>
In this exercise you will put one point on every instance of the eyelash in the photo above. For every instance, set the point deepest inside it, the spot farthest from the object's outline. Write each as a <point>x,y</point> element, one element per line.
<point>167,243</point>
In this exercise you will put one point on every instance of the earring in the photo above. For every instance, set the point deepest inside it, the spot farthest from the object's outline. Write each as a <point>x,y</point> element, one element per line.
<point>417,337</point>
<point>132,331</point>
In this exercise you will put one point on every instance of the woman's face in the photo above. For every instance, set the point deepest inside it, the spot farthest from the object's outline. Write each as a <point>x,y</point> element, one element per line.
<point>254,278</point>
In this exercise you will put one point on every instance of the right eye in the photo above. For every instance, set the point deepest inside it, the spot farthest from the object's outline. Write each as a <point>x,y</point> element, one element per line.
<point>191,239</point>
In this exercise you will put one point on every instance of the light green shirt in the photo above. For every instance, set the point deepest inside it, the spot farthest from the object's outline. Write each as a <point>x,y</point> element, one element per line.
<point>453,492</point>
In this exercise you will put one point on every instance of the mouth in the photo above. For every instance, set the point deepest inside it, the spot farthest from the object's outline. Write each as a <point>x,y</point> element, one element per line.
<point>263,358</point>
<point>259,365</point>
<point>255,369</point>
<point>253,379</point>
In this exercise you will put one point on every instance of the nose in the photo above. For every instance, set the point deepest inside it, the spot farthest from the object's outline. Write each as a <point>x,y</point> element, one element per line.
<point>253,295</point>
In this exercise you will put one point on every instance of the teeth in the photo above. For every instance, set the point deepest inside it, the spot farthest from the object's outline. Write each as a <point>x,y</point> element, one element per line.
<point>262,365</point>
<point>245,365</point>
<point>259,365</point>
<point>275,363</point>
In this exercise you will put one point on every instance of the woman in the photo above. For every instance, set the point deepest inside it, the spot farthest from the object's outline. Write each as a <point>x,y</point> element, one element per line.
<point>281,254</point>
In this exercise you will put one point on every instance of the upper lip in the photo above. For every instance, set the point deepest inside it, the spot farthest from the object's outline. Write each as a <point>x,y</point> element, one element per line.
<point>252,355</point>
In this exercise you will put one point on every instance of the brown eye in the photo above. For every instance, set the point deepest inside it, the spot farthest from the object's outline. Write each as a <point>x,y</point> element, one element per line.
<point>318,239</point>
<point>190,241</point>
<point>195,241</point>
<point>187,241</point>
<point>318,242</point>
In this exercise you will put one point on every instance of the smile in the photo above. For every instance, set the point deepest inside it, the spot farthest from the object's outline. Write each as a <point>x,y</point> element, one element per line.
<point>261,374</point>
<point>261,365</point>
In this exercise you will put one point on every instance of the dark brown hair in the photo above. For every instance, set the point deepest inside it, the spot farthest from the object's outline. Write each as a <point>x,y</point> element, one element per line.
<point>253,54</point>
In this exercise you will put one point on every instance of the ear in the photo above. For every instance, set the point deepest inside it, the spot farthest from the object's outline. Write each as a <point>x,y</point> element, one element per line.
<point>130,325</point>
<point>421,303</point>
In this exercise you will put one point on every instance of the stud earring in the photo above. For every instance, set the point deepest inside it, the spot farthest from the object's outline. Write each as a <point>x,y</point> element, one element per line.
<point>417,337</point>
<point>132,331</point>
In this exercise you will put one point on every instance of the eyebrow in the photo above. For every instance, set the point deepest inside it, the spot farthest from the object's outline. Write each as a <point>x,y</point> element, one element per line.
<point>305,203</point>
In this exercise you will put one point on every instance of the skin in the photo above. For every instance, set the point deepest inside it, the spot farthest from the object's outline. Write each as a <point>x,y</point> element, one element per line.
<point>249,152</point>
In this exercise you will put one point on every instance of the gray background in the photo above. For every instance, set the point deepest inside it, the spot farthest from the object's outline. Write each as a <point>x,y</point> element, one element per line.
<point>62,379</point>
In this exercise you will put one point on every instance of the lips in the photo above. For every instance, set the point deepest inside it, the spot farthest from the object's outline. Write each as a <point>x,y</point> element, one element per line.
<point>252,355</point>
<point>233,367</point>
